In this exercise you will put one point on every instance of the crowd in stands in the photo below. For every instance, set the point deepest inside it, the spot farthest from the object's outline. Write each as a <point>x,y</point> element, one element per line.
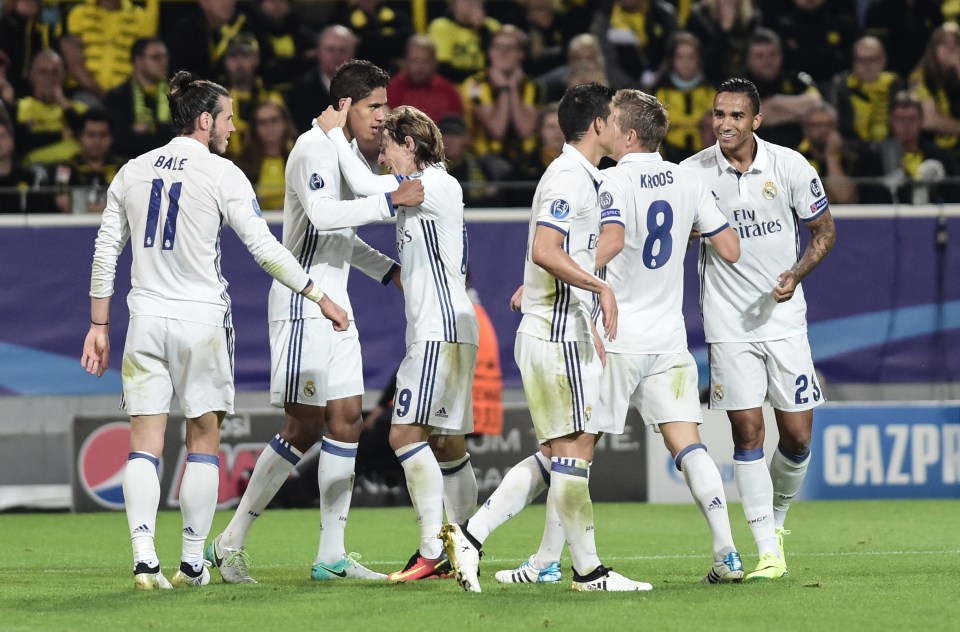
<point>867,90</point>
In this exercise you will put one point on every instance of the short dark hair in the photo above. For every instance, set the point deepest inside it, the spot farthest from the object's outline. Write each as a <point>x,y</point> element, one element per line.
<point>906,99</point>
<point>764,35</point>
<point>93,115</point>
<point>580,106</point>
<point>740,85</point>
<point>189,97</point>
<point>644,114</point>
<point>139,48</point>
<point>356,79</point>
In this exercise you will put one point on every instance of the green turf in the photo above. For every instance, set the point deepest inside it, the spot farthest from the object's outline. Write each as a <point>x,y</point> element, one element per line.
<point>865,565</point>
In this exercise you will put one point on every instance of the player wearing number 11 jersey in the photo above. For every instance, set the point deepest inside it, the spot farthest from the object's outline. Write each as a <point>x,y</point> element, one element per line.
<point>171,204</point>
<point>754,314</point>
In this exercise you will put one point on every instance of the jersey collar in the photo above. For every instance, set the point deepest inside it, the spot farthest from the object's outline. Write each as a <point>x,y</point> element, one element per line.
<point>186,140</point>
<point>636,156</point>
<point>575,153</point>
<point>761,161</point>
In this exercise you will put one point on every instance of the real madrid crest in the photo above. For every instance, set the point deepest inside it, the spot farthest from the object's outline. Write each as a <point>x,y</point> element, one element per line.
<point>769,190</point>
<point>587,412</point>
<point>717,392</point>
<point>310,389</point>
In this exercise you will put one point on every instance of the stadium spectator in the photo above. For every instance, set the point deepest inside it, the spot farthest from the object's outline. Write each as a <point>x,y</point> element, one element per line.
<point>825,150</point>
<point>501,103</point>
<point>723,28</point>
<point>549,146</point>
<point>265,150</point>
<point>904,27</point>
<point>8,93</point>
<point>636,34</point>
<point>786,94</point>
<point>18,184</point>
<point>84,179</point>
<point>584,51</point>
<point>549,31</point>
<point>936,82</point>
<point>383,29</point>
<point>477,175</point>
<point>682,88</point>
<point>914,164</point>
<point>311,93</point>
<point>862,96</point>
<point>43,131</point>
<point>462,37</point>
<point>285,42</point>
<point>816,37</point>
<point>179,339</point>
<point>202,36</point>
<point>138,106</point>
<point>419,85</point>
<point>98,39</point>
<point>23,33</point>
<point>246,87</point>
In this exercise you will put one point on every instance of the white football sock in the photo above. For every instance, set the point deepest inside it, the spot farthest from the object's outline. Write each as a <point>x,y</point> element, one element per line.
<point>199,490</point>
<point>270,472</point>
<point>425,484</point>
<point>335,474</point>
<point>141,497</point>
<point>756,493</point>
<point>787,472</point>
<point>524,482</point>
<point>706,486</point>
<point>551,544</point>
<point>571,491</point>
<point>459,489</point>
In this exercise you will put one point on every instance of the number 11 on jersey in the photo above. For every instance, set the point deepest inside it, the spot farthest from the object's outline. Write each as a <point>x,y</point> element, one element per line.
<point>153,215</point>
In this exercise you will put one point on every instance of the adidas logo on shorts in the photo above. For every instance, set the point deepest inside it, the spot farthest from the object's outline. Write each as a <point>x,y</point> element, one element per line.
<point>441,413</point>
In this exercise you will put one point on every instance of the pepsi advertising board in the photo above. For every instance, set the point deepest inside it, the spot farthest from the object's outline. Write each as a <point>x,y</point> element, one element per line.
<point>896,451</point>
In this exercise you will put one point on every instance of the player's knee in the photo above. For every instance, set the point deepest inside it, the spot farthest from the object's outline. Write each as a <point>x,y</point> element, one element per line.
<point>796,446</point>
<point>301,434</point>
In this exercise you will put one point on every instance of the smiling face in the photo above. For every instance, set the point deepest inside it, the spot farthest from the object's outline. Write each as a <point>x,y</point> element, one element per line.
<point>734,121</point>
<point>397,158</point>
<point>222,127</point>
<point>366,115</point>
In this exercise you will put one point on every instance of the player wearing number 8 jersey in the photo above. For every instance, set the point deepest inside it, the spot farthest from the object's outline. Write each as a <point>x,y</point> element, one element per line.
<point>754,312</point>
<point>172,203</point>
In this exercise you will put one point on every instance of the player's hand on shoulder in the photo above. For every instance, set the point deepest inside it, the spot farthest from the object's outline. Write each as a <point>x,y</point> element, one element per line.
<point>409,193</point>
<point>785,287</point>
<point>331,118</point>
<point>517,299</point>
<point>334,313</point>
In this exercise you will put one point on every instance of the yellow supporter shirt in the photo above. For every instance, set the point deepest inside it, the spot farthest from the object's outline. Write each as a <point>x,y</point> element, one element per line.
<point>270,184</point>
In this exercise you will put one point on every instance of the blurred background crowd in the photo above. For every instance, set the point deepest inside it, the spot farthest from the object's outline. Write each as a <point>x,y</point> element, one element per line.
<point>867,90</point>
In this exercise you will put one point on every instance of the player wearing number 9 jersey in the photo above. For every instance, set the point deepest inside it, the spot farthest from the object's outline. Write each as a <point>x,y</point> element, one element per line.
<point>754,313</point>
<point>171,204</point>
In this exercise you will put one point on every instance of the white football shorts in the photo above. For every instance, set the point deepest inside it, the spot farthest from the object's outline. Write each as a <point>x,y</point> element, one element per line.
<point>435,387</point>
<point>662,387</point>
<point>163,356</point>
<point>562,383</point>
<point>312,363</point>
<point>742,374</point>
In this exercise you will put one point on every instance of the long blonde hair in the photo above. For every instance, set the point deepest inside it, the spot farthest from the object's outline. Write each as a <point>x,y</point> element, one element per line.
<point>407,120</point>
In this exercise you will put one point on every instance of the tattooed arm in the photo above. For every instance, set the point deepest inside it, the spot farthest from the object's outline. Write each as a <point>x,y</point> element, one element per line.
<point>823,234</point>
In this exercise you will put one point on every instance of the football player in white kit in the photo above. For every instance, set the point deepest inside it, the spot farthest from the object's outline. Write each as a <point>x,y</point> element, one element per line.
<point>559,351</point>
<point>754,313</point>
<point>648,208</point>
<point>435,379</point>
<point>317,374</point>
<point>173,202</point>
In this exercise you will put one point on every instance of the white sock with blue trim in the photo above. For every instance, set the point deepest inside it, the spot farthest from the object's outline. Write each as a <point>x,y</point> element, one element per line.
<point>335,474</point>
<point>273,467</point>
<point>141,497</point>
<point>551,544</point>
<point>787,471</point>
<point>756,494</point>
<point>525,481</point>
<point>459,489</point>
<point>706,486</point>
<point>199,490</point>
<point>425,484</point>
<point>570,489</point>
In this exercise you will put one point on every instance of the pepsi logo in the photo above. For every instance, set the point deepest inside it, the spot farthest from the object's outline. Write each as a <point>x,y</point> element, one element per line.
<point>101,463</point>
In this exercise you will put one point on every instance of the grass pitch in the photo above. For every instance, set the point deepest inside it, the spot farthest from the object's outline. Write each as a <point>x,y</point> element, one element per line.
<point>864,565</point>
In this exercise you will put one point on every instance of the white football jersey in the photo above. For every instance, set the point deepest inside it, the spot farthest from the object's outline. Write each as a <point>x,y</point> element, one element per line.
<point>762,205</point>
<point>172,203</point>
<point>432,245</point>
<point>320,218</point>
<point>657,202</point>
<point>566,201</point>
